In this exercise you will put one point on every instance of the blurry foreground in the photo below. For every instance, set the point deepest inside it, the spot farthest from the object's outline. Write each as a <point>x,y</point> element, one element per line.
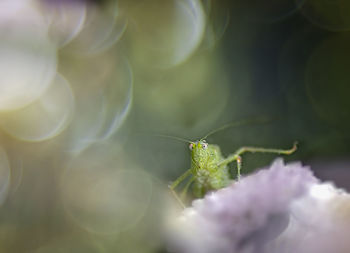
<point>282,209</point>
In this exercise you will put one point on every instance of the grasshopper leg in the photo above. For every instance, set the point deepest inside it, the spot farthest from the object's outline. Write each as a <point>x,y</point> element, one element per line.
<point>237,155</point>
<point>180,179</point>
<point>239,166</point>
<point>184,191</point>
<point>178,198</point>
<point>177,182</point>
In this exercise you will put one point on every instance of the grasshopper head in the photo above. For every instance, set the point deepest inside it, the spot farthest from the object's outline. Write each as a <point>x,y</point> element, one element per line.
<point>200,153</point>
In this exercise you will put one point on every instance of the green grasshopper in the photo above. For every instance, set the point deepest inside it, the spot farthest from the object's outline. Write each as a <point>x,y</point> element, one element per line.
<point>209,169</point>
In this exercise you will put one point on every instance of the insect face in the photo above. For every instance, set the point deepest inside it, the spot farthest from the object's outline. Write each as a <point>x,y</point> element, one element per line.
<point>202,144</point>
<point>199,153</point>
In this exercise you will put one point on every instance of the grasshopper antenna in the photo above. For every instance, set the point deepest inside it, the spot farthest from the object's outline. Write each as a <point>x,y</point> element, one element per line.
<point>260,120</point>
<point>172,137</point>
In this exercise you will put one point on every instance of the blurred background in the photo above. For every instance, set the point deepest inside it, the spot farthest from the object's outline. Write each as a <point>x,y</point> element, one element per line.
<point>85,87</point>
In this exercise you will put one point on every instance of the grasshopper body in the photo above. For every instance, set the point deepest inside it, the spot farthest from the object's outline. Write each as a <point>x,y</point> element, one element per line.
<point>205,169</point>
<point>209,169</point>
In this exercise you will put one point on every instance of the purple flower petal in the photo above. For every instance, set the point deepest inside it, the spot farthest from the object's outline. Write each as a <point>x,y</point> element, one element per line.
<point>242,217</point>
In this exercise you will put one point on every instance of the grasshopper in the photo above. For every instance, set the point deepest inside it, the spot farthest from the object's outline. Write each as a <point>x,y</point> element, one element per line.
<point>209,169</point>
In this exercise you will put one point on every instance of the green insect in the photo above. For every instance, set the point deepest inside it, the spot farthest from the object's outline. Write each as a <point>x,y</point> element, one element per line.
<point>209,168</point>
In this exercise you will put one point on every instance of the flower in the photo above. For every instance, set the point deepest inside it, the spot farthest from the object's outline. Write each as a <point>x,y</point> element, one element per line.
<point>320,223</point>
<point>245,216</point>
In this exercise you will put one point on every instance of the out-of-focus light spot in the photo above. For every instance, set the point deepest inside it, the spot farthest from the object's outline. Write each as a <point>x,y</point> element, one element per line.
<point>45,118</point>
<point>166,33</point>
<point>5,175</point>
<point>104,199</point>
<point>87,122</point>
<point>104,101</point>
<point>117,99</point>
<point>331,15</point>
<point>102,28</point>
<point>27,57</point>
<point>16,174</point>
<point>65,20</point>
<point>8,8</point>
<point>327,81</point>
<point>216,27</point>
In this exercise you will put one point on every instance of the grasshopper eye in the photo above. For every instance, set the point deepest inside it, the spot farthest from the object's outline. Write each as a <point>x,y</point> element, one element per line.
<point>190,146</point>
<point>205,145</point>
